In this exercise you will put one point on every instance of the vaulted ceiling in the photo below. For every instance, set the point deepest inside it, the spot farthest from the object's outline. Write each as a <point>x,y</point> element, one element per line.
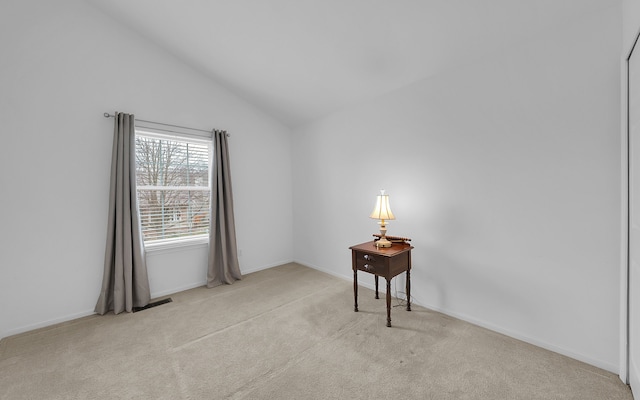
<point>302,59</point>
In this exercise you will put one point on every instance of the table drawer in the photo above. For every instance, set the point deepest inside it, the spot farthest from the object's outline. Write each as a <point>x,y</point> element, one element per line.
<point>371,263</point>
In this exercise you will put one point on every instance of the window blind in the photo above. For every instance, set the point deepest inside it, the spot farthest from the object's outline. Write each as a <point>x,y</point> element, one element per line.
<point>173,186</point>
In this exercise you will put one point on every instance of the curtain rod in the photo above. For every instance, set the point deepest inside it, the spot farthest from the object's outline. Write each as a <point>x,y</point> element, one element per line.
<point>107,115</point>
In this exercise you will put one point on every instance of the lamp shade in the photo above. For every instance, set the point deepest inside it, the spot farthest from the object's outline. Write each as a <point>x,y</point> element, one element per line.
<point>382,209</point>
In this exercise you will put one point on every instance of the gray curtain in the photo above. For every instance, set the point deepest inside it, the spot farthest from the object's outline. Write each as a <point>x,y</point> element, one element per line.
<point>125,284</point>
<point>223,253</point>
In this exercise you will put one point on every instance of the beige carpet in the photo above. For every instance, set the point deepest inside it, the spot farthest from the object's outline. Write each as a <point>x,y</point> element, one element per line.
<point>287,333</point>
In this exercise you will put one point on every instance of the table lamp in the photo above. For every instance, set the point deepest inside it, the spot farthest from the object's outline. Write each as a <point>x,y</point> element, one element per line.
<point>382,211</point>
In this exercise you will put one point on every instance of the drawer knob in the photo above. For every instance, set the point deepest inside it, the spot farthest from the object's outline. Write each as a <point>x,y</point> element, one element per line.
<point>367,257</point>
<point>368,267</point>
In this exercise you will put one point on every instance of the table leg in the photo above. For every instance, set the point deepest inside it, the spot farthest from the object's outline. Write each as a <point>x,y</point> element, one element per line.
<point>377,287</point>
<point>355,290</point>
<point>388,302</point>
<point>408,290</point>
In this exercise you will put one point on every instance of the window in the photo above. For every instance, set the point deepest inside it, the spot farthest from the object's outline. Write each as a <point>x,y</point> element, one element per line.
<point>172,177</point>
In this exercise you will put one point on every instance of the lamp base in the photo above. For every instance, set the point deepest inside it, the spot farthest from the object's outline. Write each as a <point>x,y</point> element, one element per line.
<point>383,242</point>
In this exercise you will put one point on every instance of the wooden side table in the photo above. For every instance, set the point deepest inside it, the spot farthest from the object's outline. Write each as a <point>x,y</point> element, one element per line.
<point>386,262</point>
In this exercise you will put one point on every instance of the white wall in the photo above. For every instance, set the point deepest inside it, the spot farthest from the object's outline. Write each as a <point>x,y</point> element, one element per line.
<point>630,30</point>
<point>630,23</point>
<point>504,171</point>
<point>63,64</point>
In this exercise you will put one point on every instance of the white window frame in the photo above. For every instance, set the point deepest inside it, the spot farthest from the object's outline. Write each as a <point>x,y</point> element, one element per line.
<point>194,240</point>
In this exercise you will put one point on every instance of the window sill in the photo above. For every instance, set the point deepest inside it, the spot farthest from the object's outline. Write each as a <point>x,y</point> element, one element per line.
<point>159,245</point>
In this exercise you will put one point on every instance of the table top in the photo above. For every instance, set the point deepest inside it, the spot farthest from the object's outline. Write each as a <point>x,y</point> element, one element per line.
<point>370,247</point>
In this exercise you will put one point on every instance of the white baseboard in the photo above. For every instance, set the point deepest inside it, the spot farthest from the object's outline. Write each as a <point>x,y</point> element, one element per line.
<point>167,292</point>
<point>266,266</point>
<point>44,324</point>
<point>516,335</point>
<point>193,285</point>
<point>613,368</point>
<point>633,369</point>
<point>157,294</point>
